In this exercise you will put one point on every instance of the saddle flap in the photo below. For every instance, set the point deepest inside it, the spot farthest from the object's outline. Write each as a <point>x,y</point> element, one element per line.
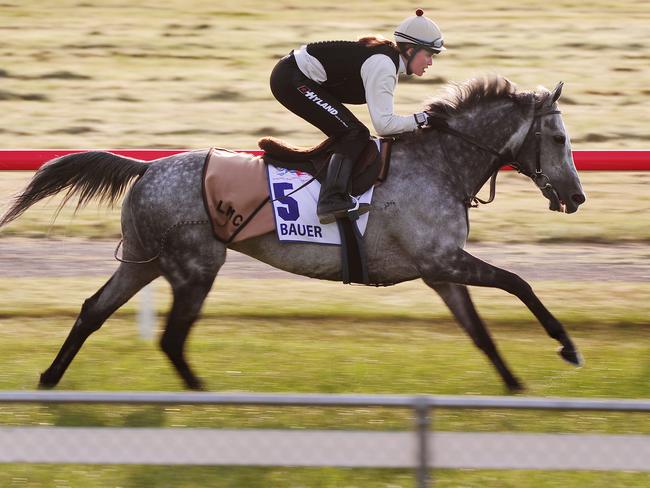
<point>236,214</point>
<point>283,151</point>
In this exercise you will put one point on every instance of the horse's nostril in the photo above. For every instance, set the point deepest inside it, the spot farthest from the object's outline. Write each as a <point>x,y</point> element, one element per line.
<point>578,198</point>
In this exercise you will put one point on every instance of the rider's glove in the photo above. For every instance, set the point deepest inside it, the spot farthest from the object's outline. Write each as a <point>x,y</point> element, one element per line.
<point>430,120</point>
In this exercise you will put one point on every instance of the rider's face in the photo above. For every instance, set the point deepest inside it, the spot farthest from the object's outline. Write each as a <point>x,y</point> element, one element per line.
<point>421,61</point>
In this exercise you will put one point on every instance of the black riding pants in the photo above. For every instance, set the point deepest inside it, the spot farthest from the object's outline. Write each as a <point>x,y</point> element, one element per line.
<point>312,102</point>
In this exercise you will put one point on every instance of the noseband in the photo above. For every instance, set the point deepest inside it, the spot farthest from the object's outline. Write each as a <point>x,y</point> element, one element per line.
<point>506,157</point>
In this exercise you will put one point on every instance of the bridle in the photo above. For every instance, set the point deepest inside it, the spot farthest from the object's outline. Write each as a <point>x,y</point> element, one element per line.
<point>539,178</point>
<point>504,158</point>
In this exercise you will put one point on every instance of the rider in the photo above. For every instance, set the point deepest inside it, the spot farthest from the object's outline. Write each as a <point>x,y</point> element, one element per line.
<point>316,80</point>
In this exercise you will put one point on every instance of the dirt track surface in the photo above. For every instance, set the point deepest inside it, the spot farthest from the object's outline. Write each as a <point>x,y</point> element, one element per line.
<point>572,262</point>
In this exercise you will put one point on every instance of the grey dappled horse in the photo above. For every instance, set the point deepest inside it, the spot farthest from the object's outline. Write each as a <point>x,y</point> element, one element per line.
<point>417,227</point>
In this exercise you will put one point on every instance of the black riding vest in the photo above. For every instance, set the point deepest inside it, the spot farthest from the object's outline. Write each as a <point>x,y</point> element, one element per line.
<point>342,61</point>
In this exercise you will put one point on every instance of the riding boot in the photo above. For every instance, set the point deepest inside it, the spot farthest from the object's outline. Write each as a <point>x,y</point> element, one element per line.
<point>334,200</point>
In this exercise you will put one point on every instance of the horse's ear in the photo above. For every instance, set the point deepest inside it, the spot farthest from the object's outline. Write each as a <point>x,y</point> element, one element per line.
<point>557,91</point>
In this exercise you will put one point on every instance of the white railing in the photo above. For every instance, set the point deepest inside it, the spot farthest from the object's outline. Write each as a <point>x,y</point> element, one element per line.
<point>422,449</point>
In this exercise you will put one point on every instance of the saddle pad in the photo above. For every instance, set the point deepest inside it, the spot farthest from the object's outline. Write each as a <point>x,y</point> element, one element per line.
<point>235,186</point>
<point>295,214</point>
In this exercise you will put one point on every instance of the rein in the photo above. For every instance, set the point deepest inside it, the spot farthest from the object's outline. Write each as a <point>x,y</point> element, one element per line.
<point>506,158</point>
<point>474,201</point>
<point>540,179</point>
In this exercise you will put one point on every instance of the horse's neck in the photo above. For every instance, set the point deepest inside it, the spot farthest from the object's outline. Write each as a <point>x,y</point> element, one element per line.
<point>498,127</point>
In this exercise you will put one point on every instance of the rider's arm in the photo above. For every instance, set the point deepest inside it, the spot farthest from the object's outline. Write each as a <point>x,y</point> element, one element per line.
<point>379,80</point>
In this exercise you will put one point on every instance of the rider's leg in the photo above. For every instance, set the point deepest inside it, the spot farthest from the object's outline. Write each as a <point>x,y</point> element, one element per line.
<point>315,104</point>
<point>334,200</point>
<point>310,100</point>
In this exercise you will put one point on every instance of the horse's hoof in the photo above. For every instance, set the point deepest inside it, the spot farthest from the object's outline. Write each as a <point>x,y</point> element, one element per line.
<point>196,385</point>
<point>571,356</point>
<point>516,387</point>
<point>44,384</point>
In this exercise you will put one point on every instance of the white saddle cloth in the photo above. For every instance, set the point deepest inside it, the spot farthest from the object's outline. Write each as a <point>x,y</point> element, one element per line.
<point>295,215</point>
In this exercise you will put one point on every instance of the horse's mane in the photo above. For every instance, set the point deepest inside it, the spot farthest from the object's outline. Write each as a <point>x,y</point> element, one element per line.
<point>459,97</point>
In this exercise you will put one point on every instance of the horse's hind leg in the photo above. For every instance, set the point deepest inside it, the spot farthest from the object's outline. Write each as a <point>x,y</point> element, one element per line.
<point>188,300</point>
<point>125,282</point>
<point>191,271</point>
<point>460,303</point>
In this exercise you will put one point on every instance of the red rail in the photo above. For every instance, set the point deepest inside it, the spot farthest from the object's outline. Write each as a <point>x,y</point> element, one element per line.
<point>31,160</point>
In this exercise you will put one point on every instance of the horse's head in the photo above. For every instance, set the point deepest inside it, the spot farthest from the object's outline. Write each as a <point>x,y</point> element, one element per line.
<point>545,155</point>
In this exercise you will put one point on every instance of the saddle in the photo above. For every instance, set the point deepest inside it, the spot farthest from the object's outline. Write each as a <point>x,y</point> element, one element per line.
<point>371,168</point>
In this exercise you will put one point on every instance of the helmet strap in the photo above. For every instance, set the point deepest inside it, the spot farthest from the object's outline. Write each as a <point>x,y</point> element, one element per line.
<point>416,49</point>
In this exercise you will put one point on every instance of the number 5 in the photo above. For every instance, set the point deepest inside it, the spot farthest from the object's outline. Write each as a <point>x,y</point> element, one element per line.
<point>291,212</point>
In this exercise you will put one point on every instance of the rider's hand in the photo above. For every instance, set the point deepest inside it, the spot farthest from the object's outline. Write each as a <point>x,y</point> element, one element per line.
<point>427,119</point>
<point>421,118</point>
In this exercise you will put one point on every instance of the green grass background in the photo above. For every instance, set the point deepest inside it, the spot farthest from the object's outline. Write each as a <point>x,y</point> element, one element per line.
<point>391,340</point>
<point>193,74</point>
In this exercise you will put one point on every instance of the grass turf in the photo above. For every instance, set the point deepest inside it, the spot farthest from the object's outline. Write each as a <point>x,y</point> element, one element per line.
<point>318,354</point>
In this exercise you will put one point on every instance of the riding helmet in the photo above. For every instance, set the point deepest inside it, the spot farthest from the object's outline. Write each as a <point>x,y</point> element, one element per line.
<point>421,31</point>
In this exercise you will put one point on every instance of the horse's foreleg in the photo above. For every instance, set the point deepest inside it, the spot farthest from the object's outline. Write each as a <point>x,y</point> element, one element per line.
<point>463,268</point>
<point>460,303</point>
<point>125,282</point>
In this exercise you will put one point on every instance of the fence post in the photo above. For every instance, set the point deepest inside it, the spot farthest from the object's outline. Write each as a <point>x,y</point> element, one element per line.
<point>423,424</point>
<point>147,313</point>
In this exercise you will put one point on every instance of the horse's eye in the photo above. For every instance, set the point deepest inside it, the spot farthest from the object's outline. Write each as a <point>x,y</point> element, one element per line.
<point>559,139</point>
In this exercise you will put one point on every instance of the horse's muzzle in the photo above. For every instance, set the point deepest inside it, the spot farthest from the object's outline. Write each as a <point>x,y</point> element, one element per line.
<point>578,198</point>
<point>559,204</point>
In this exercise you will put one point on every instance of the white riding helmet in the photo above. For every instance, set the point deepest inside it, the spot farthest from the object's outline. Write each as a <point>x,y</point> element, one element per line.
<point>421,31</point>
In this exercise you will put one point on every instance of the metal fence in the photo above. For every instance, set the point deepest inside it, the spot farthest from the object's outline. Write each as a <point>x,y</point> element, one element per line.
<point>422,449</point>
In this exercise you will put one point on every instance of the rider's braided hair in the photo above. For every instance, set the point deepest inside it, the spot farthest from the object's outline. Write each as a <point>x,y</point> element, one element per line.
<point>373,40</point>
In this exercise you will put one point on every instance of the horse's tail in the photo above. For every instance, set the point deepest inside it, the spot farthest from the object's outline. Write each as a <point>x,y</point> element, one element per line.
<point>91,174</point>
